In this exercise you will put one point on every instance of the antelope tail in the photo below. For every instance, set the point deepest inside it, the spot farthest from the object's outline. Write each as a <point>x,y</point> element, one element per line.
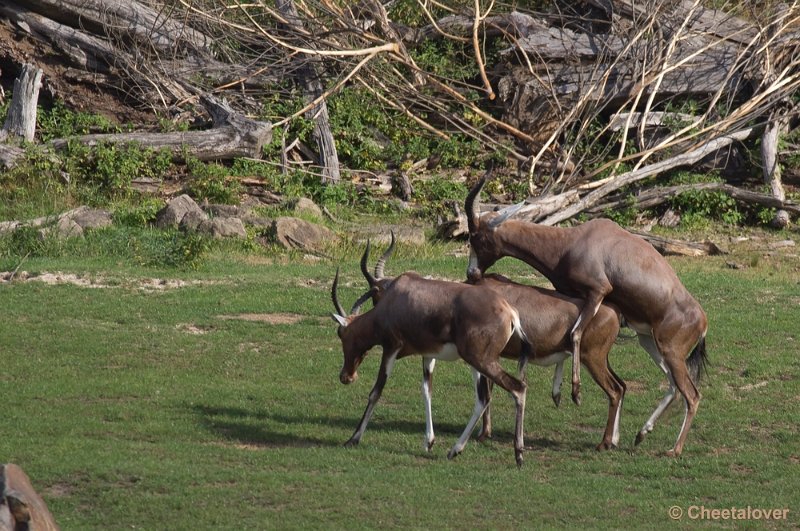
<point>697,361</point>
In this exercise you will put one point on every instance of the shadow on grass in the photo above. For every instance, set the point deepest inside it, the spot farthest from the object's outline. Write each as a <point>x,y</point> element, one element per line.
<point>270,430</point>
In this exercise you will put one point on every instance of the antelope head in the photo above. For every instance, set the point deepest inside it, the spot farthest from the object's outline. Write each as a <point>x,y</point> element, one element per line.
<point>485,248</point>
<point>352,332</point>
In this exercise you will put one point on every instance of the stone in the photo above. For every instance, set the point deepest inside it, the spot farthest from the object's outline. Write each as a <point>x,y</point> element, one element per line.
<point>172,214</point>
<point>192,220</point>
<point>20,506</point>
<point>304,205</point>
<point>93,218</point>
<point>227,211</point>
<point>223,228</point>
<point>295,233</point>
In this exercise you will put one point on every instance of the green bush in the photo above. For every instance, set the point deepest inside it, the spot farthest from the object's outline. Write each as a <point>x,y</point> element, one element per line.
<point>697,205</point>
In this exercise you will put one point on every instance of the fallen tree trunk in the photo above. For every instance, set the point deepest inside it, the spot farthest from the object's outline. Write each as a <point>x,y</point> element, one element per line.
<point>232,136</point>
<point>668,246</point>
<point>21,119</point>
<point>657,196</point>
<point>630,177</point>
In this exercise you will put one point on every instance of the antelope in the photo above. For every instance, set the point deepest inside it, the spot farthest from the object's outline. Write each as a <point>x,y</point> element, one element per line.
<point>600,261</point>
<point>546,317</point>
<point>441,320</point>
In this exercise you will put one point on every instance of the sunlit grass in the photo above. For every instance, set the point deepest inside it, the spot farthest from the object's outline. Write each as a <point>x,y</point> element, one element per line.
<point>136,406</point>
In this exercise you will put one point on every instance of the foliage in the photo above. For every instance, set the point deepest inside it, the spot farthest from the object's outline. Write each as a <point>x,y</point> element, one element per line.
<point>211,181</point>
<point>60,122</point>
<point>696,206</point>
<point>111,167</point>
<point>138,215</point>
<point>434,195</point>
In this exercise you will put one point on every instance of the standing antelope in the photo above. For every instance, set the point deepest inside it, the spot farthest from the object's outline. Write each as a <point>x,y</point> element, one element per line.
<point>546,317</point>
<point>437,319</point>
<point>599,261</point>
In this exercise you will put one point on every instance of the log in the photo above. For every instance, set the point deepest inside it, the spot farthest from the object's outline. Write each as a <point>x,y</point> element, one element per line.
<point>310,80</point>
<point>232,136</point>
<point>630,177</point>
<point>126,19</point>
<point>667,246</point>
<point>656,196</point>
<point>21,119</point>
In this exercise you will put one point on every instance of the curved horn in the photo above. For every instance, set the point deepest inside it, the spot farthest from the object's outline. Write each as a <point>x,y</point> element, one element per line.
<point>364,258</point>
<point>472,196</point>
<point>361,300</point>
<point>504,214</point>
<point>385,256</point>
<point>339,310</point>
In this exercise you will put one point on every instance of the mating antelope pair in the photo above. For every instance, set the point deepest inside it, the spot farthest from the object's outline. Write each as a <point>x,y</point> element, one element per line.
<point>491,317</point>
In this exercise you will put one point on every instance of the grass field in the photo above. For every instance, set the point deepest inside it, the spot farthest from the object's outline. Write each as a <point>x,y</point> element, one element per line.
<point>214,402</point>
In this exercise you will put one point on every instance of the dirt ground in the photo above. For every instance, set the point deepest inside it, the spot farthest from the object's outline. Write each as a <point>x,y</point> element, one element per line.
<point>76,89</point>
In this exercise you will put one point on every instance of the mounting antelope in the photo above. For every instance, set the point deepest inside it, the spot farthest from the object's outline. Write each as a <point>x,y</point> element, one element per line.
<point>441,320</point>
<point>546,317</point>
<point>599,261</point>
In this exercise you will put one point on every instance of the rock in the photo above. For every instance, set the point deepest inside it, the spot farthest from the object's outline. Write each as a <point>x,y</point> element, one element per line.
<point>223,228</point>
<point>227,211</point>
<point>294,233</point>
<point>62,229</point>
<point>192,220</point>
<point>257,221</point>
<point>172,214</point>
<point>92,218</point>
<point>20,506</point>
<point>305,206</point>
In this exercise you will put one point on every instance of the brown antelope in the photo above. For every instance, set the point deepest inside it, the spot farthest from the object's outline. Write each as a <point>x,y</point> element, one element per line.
<point>546,317</point>
<point>436,319</point>
<point>599,261</point>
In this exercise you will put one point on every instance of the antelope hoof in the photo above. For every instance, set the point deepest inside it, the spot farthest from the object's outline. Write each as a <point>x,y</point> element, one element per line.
<point>576,396</point>
<point>518,457</point>
<point>453,453</point>
<point>673,453</point>
<point>351,443</point>
<point>429,444</point>
<point>484,435</point>
<point>557,399</point>
<point>639,438</point>
<point>605,445</point>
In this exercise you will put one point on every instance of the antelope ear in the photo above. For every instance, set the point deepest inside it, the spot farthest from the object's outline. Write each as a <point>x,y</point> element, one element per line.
<point>339,319</point>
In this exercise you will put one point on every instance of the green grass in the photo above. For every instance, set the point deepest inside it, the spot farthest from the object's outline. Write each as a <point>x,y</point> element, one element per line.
<point>153,409</point>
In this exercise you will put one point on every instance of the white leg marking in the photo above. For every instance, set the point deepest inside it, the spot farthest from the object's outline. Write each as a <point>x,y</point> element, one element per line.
<point>650,345</point>
<point>615,433</point>
<point>427,368</point>
<point>477,412</point>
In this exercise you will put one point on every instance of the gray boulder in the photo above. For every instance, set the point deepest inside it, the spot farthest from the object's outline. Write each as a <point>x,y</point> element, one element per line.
<point>304,205</point>
<point>172,214</point>
<point>223,228</point>
<point>294,233</point>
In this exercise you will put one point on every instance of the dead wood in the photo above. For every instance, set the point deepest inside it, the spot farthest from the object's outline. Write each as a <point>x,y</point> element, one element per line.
<point>309,78</point>
<point>668,246</point>
<point>232,135</point>
<point>21,119</point>
<point>630,177</point>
